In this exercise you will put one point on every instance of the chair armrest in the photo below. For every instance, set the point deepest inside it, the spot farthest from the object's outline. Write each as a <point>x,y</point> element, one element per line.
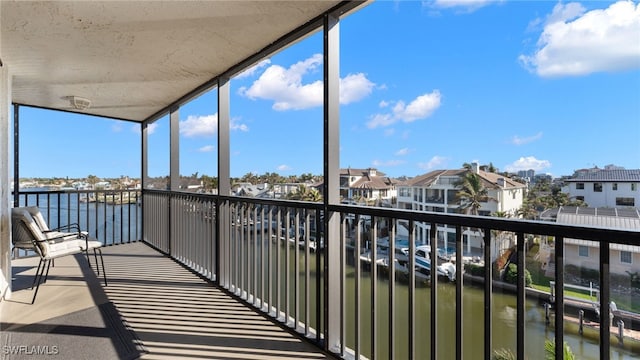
<point>73,226</point>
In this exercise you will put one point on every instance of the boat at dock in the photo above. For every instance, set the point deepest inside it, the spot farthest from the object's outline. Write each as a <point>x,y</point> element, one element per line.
<point>422,260</point>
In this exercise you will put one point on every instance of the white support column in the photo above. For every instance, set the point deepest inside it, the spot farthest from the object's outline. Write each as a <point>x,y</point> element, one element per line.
<point>144,170</point>
<point>5,182</point>
<point>174,149</point>
<point>224,126</point>
<point>224,183</point>
<point>332,181</point>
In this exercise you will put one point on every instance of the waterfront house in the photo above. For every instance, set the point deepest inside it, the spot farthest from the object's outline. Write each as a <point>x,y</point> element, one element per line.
<point>368,185</point>
<point>625,259</point>
<point>609,187</point>
<point>437,191</point>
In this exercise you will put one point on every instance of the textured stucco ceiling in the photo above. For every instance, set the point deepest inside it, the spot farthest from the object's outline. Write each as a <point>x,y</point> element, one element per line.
<point>134,58</point>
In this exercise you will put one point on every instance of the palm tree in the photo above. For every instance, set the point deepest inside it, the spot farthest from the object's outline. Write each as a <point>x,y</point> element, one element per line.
<point>471,193</point>
<point>528,210</point>
<point>305,193</point>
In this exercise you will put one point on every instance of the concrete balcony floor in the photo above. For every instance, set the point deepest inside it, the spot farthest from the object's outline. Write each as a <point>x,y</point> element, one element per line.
<point>152,308</point>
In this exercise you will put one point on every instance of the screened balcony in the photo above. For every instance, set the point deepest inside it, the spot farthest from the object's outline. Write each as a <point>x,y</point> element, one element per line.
<point>220,276</point>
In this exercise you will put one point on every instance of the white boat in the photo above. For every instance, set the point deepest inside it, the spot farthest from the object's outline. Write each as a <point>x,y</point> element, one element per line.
<point>423,261</point>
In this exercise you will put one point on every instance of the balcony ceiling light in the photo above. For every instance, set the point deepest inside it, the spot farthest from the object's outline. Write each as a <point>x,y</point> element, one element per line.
<point>79,103</point>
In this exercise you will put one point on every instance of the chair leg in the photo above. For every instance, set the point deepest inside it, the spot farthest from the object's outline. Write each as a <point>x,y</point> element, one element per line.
<point>39,278</point>
<point>36,276</point>
<point>96,257</point>
<point>48,266</point>
<point>104,272</point>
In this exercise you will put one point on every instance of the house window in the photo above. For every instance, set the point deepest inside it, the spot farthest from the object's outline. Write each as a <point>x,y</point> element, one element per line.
<point>583,251</point>
<point>581,198</point>
<point>597,187</point>
<point>633,187</point>
<point>615,186</point>
<point>625,257</point>
<point>580,186</point>
<point>625,201</point>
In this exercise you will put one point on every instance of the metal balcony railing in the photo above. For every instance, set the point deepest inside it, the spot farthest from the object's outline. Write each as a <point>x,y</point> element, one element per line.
<point>282,257</point>
<point>274,256</point>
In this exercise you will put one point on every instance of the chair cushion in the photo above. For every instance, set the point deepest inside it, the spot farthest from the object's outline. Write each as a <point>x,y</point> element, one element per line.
<point>37,216</point>
<point>67,247</point>
<point>23,238</point>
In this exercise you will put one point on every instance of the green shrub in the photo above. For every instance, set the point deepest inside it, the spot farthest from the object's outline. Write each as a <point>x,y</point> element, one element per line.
<point>511,275</point>
<point>550,350</point>
<point>474,269</point>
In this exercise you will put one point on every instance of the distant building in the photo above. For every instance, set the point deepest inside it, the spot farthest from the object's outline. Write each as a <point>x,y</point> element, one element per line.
<point>249,190</point>
<point>369,184</point>
<point>527,174</point>
<point>542,177</point>
<point>437,191</point>
<point>609,187</point>
<point>190,184</point>
<point>102,185</point>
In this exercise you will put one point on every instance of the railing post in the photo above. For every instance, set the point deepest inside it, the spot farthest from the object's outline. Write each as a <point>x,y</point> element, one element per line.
<point>559,297</point>
<point>459,285</point>
<point>605,320</point>
<point>433,240</point>
<point>520,305</point>
<point>488,291</point>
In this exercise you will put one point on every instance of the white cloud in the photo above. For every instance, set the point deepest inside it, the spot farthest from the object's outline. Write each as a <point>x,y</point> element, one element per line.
<point>389,132</point>
<point>288,91</point>
<point>252,70</point>
<point>151,128</point>
<point>354,87</point>
<point>379,163</point>
<point>383,104</point>
<point>207,148</point>
<point>436,161</point>
<point>235,125</point>
<point>517,140</point>
<point>465,5</point>
<point>526,163</point>
<point>421,107</point>
<point>575,42</point>
<point>381,120</point>
<point>283,167</point>
<point>116,127</point>
<point>206,126</point>
<point>402,152</point>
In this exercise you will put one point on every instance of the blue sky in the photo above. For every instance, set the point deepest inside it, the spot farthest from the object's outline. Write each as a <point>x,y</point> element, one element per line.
<point>543,85</point>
